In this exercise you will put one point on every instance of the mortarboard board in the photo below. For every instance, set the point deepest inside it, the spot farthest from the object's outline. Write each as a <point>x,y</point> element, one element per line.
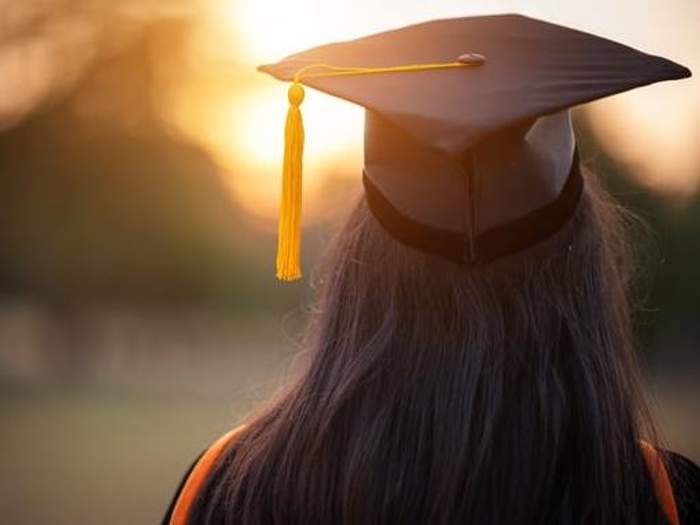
<point>469,147</point>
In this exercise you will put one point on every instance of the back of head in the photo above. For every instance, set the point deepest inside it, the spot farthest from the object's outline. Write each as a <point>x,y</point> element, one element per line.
<point>434,393</point>
<point>470,358</point>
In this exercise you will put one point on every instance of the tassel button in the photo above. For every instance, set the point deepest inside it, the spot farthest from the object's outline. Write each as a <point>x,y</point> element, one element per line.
<point>296,94</point>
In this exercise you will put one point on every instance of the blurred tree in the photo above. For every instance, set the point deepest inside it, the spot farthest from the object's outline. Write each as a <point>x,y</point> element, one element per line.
<point>667,291</point>
<point>100,201</point>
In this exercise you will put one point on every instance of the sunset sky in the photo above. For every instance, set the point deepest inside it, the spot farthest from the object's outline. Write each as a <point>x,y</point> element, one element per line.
<point>654,129</point>
<point>219,101</point>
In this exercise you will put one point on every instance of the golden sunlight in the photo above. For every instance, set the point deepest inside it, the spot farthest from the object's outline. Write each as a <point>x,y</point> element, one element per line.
<point>242,124</point>
<point>271,30</point>
<point>238,115</point>
<point>658,141</point>
<point>250,139</point>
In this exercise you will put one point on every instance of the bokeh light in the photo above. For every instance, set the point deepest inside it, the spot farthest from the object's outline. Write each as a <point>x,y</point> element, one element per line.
<point>242,126</point>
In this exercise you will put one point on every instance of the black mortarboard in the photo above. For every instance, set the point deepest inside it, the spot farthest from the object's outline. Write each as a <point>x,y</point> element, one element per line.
<point>469,148</point>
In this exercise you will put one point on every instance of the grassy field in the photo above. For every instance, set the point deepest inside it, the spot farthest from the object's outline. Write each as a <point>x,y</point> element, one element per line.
<point>109,444</point>
<point>94,456</point>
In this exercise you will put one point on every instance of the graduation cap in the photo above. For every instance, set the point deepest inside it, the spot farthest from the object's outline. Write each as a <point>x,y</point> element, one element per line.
<point>469,148</point>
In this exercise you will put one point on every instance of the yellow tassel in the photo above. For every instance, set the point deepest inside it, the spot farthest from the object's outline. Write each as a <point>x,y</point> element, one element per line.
<point>289,230</point>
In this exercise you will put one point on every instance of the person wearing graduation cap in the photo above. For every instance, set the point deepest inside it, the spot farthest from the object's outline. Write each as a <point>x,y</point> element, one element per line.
<point>471,358</point>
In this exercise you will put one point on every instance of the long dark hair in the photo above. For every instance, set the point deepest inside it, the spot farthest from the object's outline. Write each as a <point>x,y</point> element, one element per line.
<point>435,394</point>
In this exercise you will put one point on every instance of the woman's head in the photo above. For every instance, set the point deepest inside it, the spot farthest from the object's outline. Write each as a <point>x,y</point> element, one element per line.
<point>532,355</point>
<point>505,393</point>
<point>433,393</point>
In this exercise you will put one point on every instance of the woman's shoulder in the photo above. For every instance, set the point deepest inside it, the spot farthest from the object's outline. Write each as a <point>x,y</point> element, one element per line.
<point>683,472</point>
<point>195,477</point>
<point>685,479</point>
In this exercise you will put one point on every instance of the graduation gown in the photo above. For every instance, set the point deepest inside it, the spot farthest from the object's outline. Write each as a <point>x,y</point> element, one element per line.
<point>679,495</point>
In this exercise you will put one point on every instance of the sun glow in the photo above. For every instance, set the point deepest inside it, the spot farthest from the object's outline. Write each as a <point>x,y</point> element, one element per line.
<point>252,127</point>
<point>244,133</point>
<point>242,124</point>
<point>238,115</point>
<point>657,141</point>
<point>271,30</point>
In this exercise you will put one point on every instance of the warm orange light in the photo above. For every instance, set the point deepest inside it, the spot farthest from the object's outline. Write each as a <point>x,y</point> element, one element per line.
<point>238,115</point>
<point>245,134</point>
<point>242,126</point>
<point>271,30</point>
<point>658,141</point>
<point>333,135</point>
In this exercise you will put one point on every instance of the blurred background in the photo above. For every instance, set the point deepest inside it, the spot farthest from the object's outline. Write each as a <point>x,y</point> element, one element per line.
<point>140,155</point>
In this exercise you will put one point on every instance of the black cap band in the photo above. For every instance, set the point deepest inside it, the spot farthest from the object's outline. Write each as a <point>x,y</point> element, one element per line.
<point>498,242</point>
